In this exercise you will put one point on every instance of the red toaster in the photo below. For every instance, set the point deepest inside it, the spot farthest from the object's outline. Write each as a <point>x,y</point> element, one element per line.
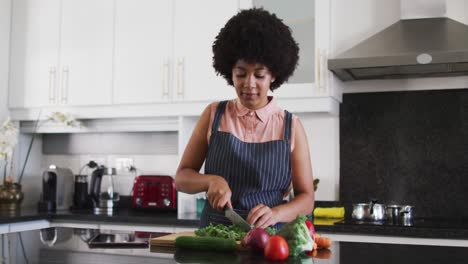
<point>154,192</point>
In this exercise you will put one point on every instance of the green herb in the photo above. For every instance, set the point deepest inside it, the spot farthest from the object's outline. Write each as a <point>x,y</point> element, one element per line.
<point>221,231</point>
<point>271,230</point>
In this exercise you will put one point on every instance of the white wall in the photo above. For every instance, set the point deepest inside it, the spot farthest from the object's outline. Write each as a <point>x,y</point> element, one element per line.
<point>323,135</point>
<point>4,56</point>
<point>458,10</point>
<point>354,21</point>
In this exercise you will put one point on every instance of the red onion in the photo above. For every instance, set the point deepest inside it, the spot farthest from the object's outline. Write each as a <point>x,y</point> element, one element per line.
<point>256,239</point>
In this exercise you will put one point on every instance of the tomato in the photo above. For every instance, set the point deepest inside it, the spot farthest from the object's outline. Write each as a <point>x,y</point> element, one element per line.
<point>311,228</point>
<point>276,248</point>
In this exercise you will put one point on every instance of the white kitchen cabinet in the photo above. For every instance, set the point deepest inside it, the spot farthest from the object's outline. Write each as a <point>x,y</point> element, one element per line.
<point>310,26</point>
<point>87,33</point>
<point>123,58</point>
<point>163,50</point>
<point>143,51</point>
<point>196,25</point>
<point>34,53</point>
<point>61,53</point>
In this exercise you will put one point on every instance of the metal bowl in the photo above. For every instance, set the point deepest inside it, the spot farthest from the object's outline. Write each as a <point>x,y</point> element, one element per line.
<point>369,211</point>
<point>361,211</point>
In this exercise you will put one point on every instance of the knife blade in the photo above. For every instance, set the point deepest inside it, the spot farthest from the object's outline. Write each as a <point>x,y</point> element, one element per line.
<point>236,219</point>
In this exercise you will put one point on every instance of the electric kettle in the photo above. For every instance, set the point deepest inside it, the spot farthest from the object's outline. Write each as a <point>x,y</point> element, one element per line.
<point>104,198</point>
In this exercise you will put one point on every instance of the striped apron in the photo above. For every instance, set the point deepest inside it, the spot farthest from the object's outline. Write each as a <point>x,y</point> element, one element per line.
<point>257,173</point>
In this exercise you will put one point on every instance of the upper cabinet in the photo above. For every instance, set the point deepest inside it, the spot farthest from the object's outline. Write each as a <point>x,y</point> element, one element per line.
<point>125,58</point>
<point>143,51</point>
<point>34,53</point>
<point>61,53</point>
<point>196,24</point>
<point>309,23</point>
<point>163,50</point>
<point>86,34</point>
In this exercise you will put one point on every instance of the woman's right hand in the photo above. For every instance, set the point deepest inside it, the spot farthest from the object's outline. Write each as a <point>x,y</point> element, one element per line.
<point>219,193</point>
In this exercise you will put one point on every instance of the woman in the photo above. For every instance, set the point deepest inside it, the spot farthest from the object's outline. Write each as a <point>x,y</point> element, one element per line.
<point>252,149</point>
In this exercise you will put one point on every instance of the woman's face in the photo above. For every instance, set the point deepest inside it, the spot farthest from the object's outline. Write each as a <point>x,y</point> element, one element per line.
<point>252,82</point>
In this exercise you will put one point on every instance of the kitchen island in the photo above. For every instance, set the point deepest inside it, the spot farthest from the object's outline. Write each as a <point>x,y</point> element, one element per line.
<point>339,253</point>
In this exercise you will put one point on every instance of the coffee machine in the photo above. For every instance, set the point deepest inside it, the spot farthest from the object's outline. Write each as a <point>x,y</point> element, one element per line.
<point>105,200</point>
<point>57,189</point>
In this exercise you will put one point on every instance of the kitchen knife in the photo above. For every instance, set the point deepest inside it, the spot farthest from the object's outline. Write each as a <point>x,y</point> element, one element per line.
<point>236,219</point>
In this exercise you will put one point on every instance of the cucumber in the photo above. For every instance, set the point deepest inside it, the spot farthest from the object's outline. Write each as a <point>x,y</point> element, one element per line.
<point>206,243</point>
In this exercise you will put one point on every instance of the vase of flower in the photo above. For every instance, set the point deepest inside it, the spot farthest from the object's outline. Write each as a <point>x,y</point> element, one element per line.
<point>11,196</point>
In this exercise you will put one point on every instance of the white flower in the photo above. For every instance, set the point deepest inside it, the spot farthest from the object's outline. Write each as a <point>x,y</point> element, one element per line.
<point>8,139</point>
<point>64,118</point>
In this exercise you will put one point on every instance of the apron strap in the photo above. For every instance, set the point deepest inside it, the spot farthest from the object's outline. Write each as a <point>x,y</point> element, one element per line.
<point>287,126</point>
<point>218,115</point>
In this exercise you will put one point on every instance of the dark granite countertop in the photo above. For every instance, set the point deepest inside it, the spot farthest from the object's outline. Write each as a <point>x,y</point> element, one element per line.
<point>422,228</point>
<point>120,216</point>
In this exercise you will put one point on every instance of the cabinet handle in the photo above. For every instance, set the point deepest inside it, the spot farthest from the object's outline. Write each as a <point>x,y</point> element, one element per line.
<point>165,81</point>
<point>319,72</point>
<point>64,95</point>
<point>180,76</point>
<point>52,90</point>
<point>321,64</point>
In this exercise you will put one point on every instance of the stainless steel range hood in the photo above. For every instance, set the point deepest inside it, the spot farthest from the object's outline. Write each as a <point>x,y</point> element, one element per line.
<point>428,47</point>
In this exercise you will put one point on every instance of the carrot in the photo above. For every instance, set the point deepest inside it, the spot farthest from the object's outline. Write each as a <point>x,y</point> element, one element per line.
<point>323,242</point>
<point>323,253</point>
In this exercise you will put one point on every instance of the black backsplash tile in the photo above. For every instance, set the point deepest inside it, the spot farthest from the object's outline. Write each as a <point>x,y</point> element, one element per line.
<point>408,148</point>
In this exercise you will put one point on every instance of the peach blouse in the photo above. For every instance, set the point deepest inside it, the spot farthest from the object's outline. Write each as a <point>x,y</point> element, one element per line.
<point>262,125</point>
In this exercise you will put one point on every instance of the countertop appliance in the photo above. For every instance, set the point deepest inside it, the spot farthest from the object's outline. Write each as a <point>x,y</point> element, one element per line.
<point>154,192</point>
<point>105,200</point>
<point>80,196</point>
<point>57,189</point>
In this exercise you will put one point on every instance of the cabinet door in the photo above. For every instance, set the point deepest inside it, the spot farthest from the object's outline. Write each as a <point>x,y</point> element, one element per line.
<point>34,53</point>
<point>143,41</point>
<point>86,52</point>
<point>196,25</point>
<point>308,22</point>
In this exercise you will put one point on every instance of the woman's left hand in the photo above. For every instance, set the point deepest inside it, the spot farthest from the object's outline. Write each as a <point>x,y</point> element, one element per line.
<point>263,216</point>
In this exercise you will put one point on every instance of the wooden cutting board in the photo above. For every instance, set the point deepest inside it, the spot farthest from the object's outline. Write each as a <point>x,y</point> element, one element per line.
<point>166,244</point>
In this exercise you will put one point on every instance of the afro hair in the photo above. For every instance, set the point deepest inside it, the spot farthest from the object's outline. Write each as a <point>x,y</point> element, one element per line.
<point>256,36</point>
